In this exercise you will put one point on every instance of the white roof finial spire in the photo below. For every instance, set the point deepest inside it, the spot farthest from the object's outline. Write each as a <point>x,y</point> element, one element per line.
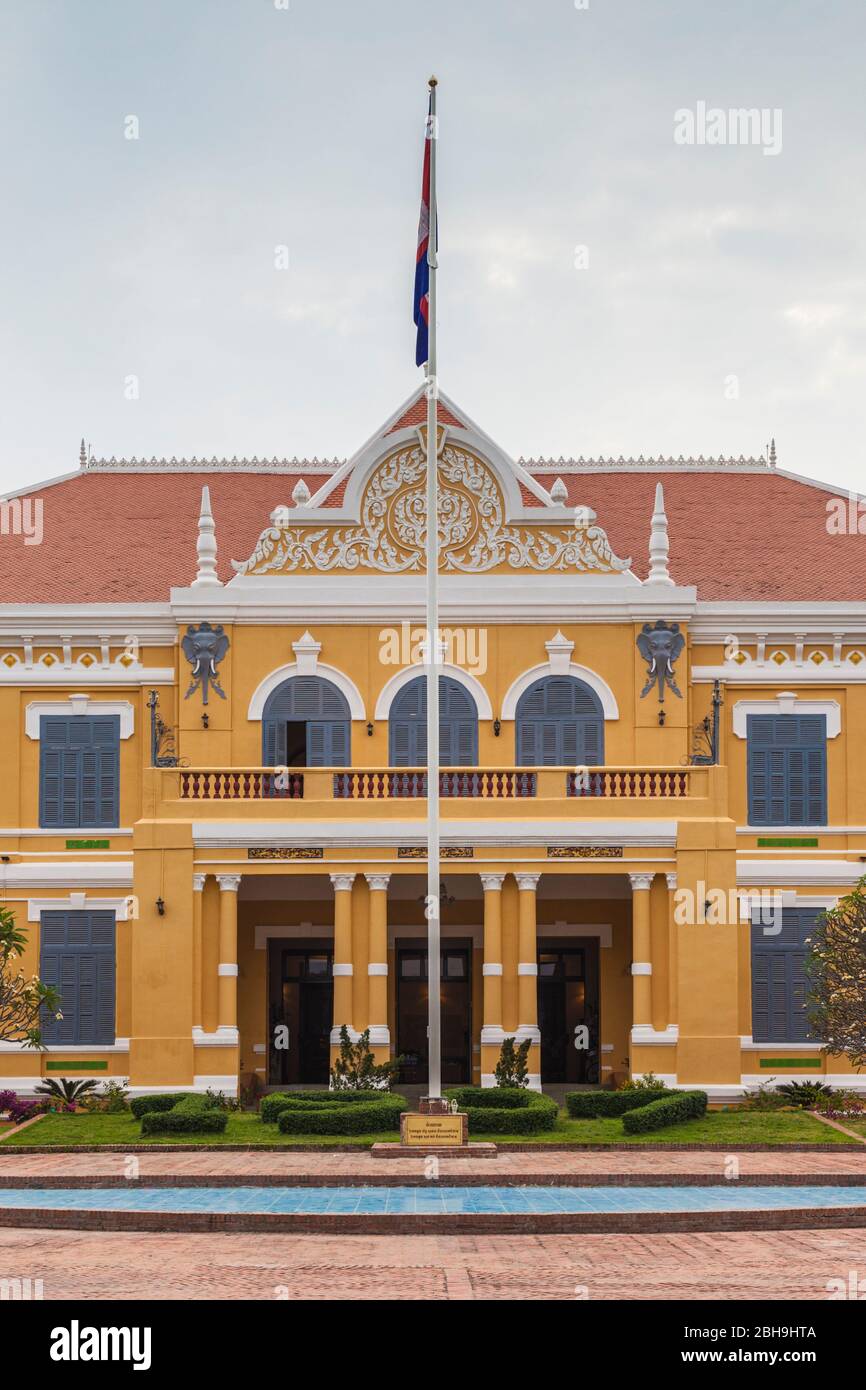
<point>659,545</point>
<point>206,546</point>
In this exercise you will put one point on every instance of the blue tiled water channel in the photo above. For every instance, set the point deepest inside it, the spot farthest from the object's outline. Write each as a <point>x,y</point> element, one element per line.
<point>402,1201</point>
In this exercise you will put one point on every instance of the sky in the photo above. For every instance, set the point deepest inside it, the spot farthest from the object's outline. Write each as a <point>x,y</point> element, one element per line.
<point>606,287</point>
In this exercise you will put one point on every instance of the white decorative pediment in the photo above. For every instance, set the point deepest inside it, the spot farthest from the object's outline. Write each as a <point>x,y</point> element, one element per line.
<point>79,704</point>
<point>475,534</point>
<point>787,702</point>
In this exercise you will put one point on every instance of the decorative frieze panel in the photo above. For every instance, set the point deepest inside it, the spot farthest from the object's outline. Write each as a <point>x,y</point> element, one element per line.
<point>473,534</point>
<point>584,851</point>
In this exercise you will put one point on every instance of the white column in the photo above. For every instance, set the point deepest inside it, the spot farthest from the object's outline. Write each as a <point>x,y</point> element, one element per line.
<point>377,967</point>
<point>227,970</point>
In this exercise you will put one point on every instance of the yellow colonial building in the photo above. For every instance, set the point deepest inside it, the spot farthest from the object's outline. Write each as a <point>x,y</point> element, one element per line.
<point>653,698</point>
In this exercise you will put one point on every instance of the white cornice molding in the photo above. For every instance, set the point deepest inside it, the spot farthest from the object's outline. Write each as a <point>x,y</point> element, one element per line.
<point>311,600</point>
<point>787,703</point>
<point>36,676</point>
<point>276,678</point>
<point>76,705</point>
<point>410,673</point>
<point>526,833</point>
<point>793,673</point>
<point>818,873</point>
<point>68,874</point>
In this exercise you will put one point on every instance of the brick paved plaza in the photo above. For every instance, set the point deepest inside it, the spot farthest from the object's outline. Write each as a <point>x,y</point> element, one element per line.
<point>778,1265</point>
<point>785,1266</point>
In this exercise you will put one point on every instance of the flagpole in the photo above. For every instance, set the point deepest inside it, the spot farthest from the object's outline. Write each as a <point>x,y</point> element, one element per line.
<point>434,1032</point>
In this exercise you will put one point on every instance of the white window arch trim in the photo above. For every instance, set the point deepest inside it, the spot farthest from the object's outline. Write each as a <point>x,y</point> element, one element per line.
<point>284,673</point>
<point>787,702</point>
<point>609,706</point>
<point>77,705</point>
<point>470,683</point>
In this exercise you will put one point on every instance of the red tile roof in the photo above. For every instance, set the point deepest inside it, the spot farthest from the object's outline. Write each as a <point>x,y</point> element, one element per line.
<point>416,414</point>
<point>129,536</point>
<point>736,535</point>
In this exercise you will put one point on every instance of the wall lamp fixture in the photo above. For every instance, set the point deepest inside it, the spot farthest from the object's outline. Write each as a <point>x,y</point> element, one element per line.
<point>497,728</point>
<point>160,907</point>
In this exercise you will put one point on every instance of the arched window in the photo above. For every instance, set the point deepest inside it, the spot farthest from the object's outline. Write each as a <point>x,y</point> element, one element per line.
<point>559,723</point>
<point>306,723</point>
<point>458,725</point>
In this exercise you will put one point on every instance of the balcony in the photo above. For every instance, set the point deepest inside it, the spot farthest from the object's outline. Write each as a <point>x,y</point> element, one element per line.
<point>641,792</point>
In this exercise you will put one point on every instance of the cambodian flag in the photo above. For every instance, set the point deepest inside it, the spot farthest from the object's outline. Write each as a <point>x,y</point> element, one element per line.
<point>422,269</point>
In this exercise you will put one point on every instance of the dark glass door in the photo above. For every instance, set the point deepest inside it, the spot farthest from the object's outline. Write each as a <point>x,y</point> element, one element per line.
<point>456,1006</point>
<point>301,1010</point>
<point>568,1005</point>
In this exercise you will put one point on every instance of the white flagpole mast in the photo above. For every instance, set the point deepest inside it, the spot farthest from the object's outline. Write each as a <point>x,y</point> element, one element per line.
<point>434,1032</point>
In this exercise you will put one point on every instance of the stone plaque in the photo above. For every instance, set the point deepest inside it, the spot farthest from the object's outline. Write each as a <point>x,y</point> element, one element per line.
<point>433,1131</point>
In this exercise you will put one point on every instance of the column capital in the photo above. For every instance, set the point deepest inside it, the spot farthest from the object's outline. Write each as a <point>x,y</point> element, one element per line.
<point>640,882</point>
<point>492,883</point>
<point>229,883</point>
<point>378,882</point>
<point>198,882</point>
<point>527,883</point>
<point>672,880</point>
<point>342,883</point>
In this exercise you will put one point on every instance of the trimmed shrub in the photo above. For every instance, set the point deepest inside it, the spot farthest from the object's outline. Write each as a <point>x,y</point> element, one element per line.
<point>191,1115</point>
<point>325,1112</point>
<point>501,1110</point>
<point>491,1097</point>
<point>147,1105</point>
<point>682,1105</point>
<point>272,1104</point>
<point>184,1122</point>
<point>606,1105</point>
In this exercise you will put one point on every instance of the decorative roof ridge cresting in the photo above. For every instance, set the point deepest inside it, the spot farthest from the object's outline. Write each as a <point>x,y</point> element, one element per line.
<point>672,465</point>
<point>211,465</point>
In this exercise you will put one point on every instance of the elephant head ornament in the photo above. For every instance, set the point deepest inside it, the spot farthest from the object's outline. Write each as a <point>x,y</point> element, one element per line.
<point>204,648</point>
<point>660,644</point>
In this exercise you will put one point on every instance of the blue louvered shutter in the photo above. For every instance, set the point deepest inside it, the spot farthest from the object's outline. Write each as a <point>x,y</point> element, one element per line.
<point>559,723</point>
<point>79,771</point>
<point>527,743</point>
<point>779,982</point>
<point>786,763</point>
<point>458,725</point>
<point>325,711</point>
<point>78,957</point>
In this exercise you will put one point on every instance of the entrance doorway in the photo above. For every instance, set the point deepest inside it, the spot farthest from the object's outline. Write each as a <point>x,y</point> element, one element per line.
<point>568,1004</point>
<point>301,1008</point>
<point>456,1008</point>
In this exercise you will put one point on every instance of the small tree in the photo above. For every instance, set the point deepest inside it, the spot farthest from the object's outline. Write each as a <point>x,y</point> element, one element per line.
<point>21,999</point>
<point>356,1068</point>
<point>512,1068</point>
<point>836,968</point>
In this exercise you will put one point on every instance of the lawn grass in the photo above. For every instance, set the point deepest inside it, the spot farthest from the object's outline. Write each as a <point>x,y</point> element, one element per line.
<point>717,1127</point>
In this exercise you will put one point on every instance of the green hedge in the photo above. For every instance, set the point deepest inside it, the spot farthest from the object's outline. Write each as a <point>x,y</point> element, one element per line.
<point>328,1113</point>
<point>193,1114</point>
<point>683,1105</point>
<point>505,1110</point>
<point>605,1105</point>
<point>272,1104</point>
<point>495,1097</point>
<point>148,1105</point>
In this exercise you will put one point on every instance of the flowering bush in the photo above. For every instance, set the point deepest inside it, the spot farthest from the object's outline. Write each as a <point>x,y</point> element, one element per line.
<point>841,1103</point>
<point>19,1109</point>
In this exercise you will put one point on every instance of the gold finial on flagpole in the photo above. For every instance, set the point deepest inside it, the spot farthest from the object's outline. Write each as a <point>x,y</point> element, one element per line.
<point>433,82</point>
